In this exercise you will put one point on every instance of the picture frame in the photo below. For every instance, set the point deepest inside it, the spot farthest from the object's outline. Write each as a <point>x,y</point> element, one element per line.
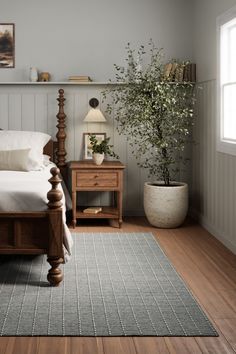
<point>87,145</point>
<point>7,45</point>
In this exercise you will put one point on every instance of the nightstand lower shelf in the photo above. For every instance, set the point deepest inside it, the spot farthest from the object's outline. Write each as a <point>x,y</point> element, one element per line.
<point>106,213</point>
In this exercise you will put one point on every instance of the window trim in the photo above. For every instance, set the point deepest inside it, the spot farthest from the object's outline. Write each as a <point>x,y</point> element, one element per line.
<point>224,146</point>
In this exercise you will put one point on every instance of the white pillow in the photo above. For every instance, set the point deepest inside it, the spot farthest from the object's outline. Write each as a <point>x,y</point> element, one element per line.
<point>35,141</point>
<point>46,160</point>
<point>14,160</point>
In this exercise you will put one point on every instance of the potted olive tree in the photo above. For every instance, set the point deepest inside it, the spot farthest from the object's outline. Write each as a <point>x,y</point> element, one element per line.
<point>156,115</point>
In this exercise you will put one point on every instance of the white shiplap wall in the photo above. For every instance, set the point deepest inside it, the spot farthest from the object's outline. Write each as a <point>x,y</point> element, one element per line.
<point>214,173</point>
<point>34,107</point>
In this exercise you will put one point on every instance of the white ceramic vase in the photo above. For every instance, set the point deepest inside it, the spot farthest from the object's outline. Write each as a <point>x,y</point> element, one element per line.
<point>166,206</point>
<point>33,74</point>
<point>98,158</point>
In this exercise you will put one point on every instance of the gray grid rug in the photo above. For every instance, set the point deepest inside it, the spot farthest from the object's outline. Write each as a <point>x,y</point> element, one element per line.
<point>116,284</point>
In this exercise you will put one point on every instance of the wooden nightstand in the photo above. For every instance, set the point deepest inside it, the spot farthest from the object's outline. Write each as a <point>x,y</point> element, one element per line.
<point>86,176</point>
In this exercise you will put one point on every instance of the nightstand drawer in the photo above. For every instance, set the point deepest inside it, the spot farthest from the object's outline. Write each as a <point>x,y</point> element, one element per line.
<point>96,179</point>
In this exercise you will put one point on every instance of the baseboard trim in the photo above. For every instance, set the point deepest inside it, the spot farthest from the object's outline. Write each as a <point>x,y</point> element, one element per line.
<point>211,228</point>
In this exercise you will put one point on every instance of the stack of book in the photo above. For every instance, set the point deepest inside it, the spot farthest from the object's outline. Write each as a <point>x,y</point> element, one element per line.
<point>190,72</point>
<point>78,78</point>
<point>180,72</point>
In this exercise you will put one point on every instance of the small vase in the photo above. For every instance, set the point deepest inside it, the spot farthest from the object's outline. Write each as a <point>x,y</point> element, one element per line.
<point>98,158</point>
<point>33,74</point>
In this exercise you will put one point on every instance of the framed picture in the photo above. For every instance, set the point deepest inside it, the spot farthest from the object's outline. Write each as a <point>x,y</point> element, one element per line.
<point>87,144</point>
<point>7,45</point>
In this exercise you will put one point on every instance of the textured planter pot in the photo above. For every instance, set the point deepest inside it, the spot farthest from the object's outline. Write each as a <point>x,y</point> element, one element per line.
<point>166,207</point>
<point>98,158</point>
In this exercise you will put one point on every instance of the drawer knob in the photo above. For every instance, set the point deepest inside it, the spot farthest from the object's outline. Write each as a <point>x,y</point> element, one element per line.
<point>96,183</point>
<point>96,176</point>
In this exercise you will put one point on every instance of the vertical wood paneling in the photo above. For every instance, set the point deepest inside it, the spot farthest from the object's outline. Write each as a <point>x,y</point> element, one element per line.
<point>4,120</point>
<point>203,146</point>
<point>120,146</point>
<point>28,112</point>
<point>211,105</point>
<point>225,184</point>
<point>133,182</point>
<point>41,121</point>
<point>14,110</point>
<point>208,160</point>
<point>231,200</point>
<point>52,110</point>
<point>214,173</point>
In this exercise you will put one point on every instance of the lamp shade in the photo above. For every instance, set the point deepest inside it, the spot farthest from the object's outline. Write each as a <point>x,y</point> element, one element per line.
<point>95,115</point>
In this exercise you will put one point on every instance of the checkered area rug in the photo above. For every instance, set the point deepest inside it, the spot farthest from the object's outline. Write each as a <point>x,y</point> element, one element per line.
<point>116,284</point>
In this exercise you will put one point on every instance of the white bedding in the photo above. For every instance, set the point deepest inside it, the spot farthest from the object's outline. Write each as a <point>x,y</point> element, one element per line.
<point>27,191</point>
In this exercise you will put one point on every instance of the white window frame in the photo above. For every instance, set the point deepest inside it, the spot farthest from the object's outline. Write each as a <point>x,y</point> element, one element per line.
<point>223,145</point>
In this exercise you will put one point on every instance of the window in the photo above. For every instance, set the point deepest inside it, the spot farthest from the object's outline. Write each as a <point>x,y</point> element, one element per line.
<point>226,82</point>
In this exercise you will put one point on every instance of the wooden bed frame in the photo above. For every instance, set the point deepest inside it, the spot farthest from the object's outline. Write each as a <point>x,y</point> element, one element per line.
<point>41,232</point>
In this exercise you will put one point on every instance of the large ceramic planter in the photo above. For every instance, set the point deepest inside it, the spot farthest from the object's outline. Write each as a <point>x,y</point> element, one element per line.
<point>98,158</point>
<point>166,207</point>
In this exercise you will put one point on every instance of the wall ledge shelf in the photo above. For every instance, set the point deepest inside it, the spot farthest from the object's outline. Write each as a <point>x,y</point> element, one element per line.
<point>93,83</point>
<point>67,83</point>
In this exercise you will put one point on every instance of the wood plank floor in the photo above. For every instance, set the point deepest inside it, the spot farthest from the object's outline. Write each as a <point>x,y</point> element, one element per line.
<point>208,269</point>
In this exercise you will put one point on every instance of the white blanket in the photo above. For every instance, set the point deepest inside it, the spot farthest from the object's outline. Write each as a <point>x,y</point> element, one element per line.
<point>27,191</point>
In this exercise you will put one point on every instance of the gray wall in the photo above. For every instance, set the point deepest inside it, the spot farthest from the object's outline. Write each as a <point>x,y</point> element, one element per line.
<point>214,173</point>
<point>205,14</point>
<point>87,37</point>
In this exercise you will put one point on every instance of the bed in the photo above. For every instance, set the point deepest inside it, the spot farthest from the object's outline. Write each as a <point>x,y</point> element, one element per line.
<point>37,225</point>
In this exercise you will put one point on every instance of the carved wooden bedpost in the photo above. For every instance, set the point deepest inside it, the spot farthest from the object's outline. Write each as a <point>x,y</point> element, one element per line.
<point>55,251</point>
<point>61,135</point>
<point>54,195</point>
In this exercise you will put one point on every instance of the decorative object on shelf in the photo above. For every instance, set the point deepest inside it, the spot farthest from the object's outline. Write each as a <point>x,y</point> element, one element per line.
<point>7,45</point>
<point>33,74</point>
<point>180,71</point>
<point>81,79</point>
<point>100,149</point>
<point>190,72</point>
<point>44,77</point>
<point>157,116</point>
<point>94,114</point>
<point>88,152</point>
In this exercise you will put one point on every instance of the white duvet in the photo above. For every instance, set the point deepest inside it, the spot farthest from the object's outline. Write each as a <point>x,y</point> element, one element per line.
<point>27,191</point>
